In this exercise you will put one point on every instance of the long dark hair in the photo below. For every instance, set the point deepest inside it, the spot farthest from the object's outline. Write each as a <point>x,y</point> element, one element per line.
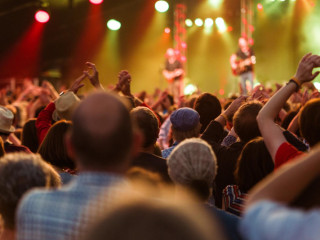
<point>254,163</point>
<point>29,135</point>
<point>53,149</point>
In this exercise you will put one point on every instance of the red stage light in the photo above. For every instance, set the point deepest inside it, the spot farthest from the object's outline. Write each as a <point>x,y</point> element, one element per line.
<point>42,16</point>
<point>260,7</point>
<point>96,2</point>
<point>167,30</point>
<point>221,91</point>
<point>183,58</point>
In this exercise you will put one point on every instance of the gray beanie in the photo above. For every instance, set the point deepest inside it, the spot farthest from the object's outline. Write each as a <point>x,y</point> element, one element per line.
<point>193,159</point>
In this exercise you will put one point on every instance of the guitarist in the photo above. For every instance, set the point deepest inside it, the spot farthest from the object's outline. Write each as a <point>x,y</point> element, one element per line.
<point>173,73</point>
<point>242,65</point>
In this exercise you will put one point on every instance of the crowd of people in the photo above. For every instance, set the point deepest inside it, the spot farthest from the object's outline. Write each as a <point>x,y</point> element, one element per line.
<point>111,164</point>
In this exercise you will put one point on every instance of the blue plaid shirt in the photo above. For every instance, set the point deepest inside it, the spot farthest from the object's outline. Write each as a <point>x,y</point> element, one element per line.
<point>63,213</point>
<point>166,152</point>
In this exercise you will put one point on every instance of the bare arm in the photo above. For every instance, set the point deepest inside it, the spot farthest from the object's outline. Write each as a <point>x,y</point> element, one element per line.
<point>53,92</point>
<point>125,86</point>
<point>164,94</point>
<point>94,76</point>
<point>271,133</point>
<point>234,106</point>
<point>294,125</point>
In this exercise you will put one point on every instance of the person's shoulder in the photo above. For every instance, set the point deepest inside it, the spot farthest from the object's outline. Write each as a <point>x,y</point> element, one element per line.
<point>166,152</point>
<point>37,195</point>
<point>9,147</point>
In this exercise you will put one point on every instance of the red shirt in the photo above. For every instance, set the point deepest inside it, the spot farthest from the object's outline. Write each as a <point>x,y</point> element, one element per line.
<point>43,122</point>
<point>285,153</point>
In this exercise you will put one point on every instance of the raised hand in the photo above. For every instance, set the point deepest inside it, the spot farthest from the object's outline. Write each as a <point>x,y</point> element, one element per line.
<point>125,82</point>
<point>317,62</point>
<point>44,96</point>
<point>50,87</point>
<point>77,84</point>
<point>164,95</point>
<point>93,76</point>
<point>306,65</point>
<point>235,105</point>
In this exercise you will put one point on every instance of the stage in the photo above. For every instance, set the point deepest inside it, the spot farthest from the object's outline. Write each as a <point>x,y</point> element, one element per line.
<point>282,32</point>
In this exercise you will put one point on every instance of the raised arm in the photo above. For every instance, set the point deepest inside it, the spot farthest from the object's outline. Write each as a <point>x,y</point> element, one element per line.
<point>271,133</point>
<point>214,131</point>
<point>93,76</point>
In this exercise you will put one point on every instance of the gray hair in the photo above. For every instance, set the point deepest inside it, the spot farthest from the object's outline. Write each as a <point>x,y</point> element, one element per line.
<point>19,172</point>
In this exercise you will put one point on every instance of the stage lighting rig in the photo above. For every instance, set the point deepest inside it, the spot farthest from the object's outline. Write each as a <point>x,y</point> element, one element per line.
<point>42,14</point>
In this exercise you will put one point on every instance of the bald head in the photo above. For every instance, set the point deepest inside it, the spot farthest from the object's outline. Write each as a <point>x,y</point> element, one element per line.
<point>102,133</point>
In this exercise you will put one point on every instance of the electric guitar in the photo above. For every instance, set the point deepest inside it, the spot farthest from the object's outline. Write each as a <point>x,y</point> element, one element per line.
<point>170,76</point>
<point>240,65</point>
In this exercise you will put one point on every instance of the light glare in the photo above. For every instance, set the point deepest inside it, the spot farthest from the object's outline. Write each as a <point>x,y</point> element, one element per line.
<point>190,89</point>
<point>198,22</point>
<point>221,25</point>
<point>96,2</point>
<point>42,16</point>
<point>161,6</point>
<point>208,23</point>
<point>113,25</point>
<point>189,22</point>
<point>215,3</point>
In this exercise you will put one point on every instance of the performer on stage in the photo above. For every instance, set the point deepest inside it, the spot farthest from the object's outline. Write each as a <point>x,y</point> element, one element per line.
<point>242,65</point>
<point>173,73</point>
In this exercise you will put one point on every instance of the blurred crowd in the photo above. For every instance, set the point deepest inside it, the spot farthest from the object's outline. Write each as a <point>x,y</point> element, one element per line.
<point>111,164</point>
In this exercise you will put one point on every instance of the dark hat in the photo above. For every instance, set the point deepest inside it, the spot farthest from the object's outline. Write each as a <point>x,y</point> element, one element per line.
<point>185,119</point>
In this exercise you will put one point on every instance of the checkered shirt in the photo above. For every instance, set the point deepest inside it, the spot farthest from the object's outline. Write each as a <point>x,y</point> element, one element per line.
<point>63,214</point>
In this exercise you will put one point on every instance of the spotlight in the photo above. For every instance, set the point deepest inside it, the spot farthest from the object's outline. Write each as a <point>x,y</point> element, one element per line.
<point>215,3</point>
<point>260,7</point>
<point>96,2</point>
<point>198,22</point>
<point>208,23</point>
<point>42,16</point>
<point>167,30</point>
<point>189,22</point>
<point>113,25</point>
<point>161,6</point>
<point>221,25</point>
